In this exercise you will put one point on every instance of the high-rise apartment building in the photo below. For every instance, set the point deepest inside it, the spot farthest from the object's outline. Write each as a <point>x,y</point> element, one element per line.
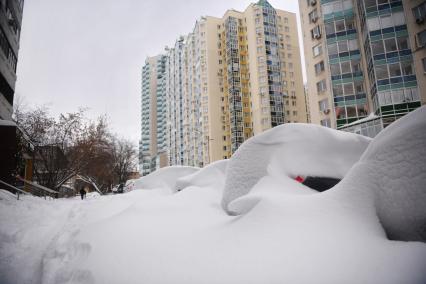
<point>174,102</point>
<point>204,95</point>
<point>153,143</point>
<point>241,76</point>
<point>10,30</point>
<point>229,79</point>
<point>359,61</point>
<point>260,73</point>
<point>415,14</point>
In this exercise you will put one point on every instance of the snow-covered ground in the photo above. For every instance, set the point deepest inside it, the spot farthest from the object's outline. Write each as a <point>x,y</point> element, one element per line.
<point>244,220</point>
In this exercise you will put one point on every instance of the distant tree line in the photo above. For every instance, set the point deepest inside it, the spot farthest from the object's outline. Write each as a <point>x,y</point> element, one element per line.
<point>73,146</point>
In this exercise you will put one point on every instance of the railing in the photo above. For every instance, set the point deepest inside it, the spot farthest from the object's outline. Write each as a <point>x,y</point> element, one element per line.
<point>37,189</point>
<point>13,189</point>
<point>30,188</point>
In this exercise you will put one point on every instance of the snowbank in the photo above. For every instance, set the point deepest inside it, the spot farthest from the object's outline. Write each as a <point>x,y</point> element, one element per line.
<point>4,122</point>
<point>394,168</point>
<point>129,185</point>
<point>212,175</point>
<point>288,151</point>
<point>164,178</point>
<point>288,234</point>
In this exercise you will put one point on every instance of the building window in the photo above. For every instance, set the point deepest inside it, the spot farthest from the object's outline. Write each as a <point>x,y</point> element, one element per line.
<point>407,68</point>
<point>319,67</point>
<point>321,86</point>
<point>377,47</point>
<point>335,69</point>
<point>317,50</point>
<point>311,2</point>
<point>348,89</point>
<point>326,122</point>
<point>403,43</point>
<point>340,25</point>
<point>421,38</point>
<point>323,106</point>
<point>329,28</point>
<point>419,13</point>
<point>390,45</point>
<point>316,32</point>
<point>7,50</point>
<point>345,67</point>
<point>394,70</point>
<point>313,16</point>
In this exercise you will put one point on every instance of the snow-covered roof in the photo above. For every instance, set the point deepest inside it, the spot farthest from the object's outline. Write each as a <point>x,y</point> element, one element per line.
<point>4,122</point>
<point>370,117</point>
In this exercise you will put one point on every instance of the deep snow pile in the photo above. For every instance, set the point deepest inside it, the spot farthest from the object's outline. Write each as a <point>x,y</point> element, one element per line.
<point>164,178</point>
<point>178,232</point>
<point>288,151</point>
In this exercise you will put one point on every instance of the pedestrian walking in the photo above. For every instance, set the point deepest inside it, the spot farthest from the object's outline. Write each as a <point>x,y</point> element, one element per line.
<point>82,193</point>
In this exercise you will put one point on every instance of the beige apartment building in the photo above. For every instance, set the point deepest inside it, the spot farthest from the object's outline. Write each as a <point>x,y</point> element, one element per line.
<point>261,73</point>
<point>200,129</point>
<point>229,79</point>
<point>319,97</point>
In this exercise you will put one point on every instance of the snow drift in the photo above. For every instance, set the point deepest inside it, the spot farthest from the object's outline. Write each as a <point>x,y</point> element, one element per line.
<point>288,151</point>
<point>285,233</point>
<point>212,175</point>
<point>164,178</point>
<point>394,168</point>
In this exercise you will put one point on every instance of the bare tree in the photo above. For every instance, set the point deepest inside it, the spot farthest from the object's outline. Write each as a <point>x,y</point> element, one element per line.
<point>73,145</point>
<point>61,146</point>
<point>125,159</point>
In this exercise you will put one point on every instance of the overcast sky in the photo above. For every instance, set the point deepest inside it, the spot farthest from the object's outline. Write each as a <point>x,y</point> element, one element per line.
<point>89,53</point>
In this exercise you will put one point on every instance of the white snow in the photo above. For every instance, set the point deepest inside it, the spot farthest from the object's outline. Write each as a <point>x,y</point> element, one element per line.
<point>288,151</point>
<point>164,178</point>
<point>4,122</point>
<point>371,116</point>
<point>178,232</point>
<point>212,175</point>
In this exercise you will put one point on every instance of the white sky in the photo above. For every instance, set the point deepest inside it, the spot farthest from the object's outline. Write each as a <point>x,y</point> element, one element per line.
<point>80,53</point>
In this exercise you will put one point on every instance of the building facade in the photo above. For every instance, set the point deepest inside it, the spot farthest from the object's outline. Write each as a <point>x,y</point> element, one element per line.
<point>415,14</point>
<point>359,62</point>
<point>229,79</point>
<point>241,76</point>
<point>153,143</point>
<point>174,103</point>
<point>15,157</point>
<point>10,30</point>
